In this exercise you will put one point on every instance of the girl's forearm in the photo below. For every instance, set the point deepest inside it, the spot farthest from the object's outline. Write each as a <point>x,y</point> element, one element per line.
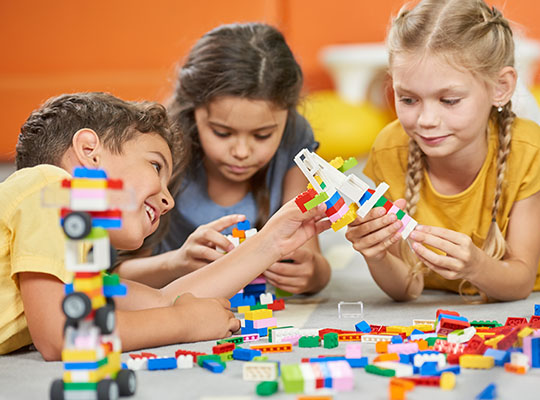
<point>393,277</point>
<point>504,280</point>
<point>153,271</point>
<point>227,275</point>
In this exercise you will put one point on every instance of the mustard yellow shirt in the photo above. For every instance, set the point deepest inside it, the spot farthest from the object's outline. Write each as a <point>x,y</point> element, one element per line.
<point>31,240</point>
<point>468,212</point>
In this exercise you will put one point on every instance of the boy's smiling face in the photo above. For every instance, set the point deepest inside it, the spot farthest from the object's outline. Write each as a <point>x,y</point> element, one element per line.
<point>145,166</point>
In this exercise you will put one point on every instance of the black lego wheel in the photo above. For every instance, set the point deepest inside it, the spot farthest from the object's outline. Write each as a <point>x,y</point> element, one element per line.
<point>77,225</point>
<point>76,306</point>
<point>127,382</point>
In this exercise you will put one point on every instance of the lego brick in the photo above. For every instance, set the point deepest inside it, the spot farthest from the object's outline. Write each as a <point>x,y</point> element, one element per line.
<point>162,363</point>
<point>273,348</point>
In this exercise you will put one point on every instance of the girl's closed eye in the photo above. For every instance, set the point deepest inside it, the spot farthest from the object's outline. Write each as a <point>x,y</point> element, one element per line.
<point>407,100</point>
<point>263,136</point>
<point>450,101</point>
<point>220,133</point>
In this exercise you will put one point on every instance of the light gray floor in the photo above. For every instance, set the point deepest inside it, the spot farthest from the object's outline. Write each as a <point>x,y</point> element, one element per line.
<point>25,375</point>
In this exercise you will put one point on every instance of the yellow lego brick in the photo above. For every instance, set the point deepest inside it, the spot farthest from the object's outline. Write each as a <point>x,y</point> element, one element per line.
<point>69,355</point>
<point>85,183</point>
<point>258,314</point>
<point>349,217</point>
<point>227,356</point>
<point>423,327</point>
<point>88,284</point>
<point>98,302</point>
<point>93,376</point>
<point>243,309</point>
<point>493,341</point>
<point>476,361</point>
<point>337,162</point>
<point>448,380</point>
<point>527,331</point>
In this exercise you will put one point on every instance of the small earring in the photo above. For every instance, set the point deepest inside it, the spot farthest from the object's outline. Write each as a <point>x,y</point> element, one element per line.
<point>500,108</point>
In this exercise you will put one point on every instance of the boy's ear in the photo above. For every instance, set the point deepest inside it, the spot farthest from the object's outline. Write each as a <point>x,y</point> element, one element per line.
<point>505,86</point>
<point>87,147</point>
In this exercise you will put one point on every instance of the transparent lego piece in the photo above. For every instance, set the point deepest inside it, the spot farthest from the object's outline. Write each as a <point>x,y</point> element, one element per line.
<point>350,309</point>
<point>56,196</point>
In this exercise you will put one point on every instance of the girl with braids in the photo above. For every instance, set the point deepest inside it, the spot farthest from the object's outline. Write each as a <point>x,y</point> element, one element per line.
<point>235,106</point>
<point>469,169</point>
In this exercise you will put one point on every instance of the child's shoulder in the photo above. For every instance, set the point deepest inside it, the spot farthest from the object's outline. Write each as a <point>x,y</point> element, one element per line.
<point>526,132</point>
<point>392,136</point>
<point>27,182</point>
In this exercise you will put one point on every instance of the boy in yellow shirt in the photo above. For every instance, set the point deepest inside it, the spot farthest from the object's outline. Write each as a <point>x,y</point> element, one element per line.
<point>132,142</point>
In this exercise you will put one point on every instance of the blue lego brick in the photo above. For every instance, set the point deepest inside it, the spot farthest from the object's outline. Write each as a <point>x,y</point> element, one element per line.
<point>457,318</point>
<point>363,326</point>
<point>535,352</point>
<point>124,365</point>
<point>245,354</point>
<point>406,358</point>
<point>107,223</point>
<point>489,393</point>
<point>114,290</point>
<point>237,300</point>
<point>244,225</point>
<point>90,365</point>
<point>255,288</point>
<point>332,200</point>
<point>537,309</point>
<point>365,197</point>
<point>80,172</point>
<point>357,362</point>
<point>456,369</point>
<point>500,357</point>
<point>213,366</point>
<point>416,332</point>
<point>161,363</point>
<point>68,288</point>
<point>327,375</point>
<point>250,330</point>
<point>429,368</point>
<point>326,359</point>
<point>396,339</point>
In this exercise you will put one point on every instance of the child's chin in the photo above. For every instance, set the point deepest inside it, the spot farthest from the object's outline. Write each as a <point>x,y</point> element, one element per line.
<point>123,242</point>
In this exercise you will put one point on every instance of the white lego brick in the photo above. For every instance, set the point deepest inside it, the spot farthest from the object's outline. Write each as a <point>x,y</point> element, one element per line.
<point>467,335</point>
<point>266,298</point>
<point>259,371</point>
<point>519,359</point>
<point>376,338</point>
<point>184,361</point>
<point>137,364</point>
<point>250,232</point>
<point>400,368</point>
<point>409,228</point>
<point>353,187</point>
<point>309,378</point>
<point>368,205</point>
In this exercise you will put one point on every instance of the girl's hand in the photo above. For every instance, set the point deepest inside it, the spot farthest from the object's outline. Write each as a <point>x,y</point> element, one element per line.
<point>461,257</point>
<point>289,228</point>
<point>375,233</point>
<point>208,319</point>
<point>200,247</point>
<point>295,273</point>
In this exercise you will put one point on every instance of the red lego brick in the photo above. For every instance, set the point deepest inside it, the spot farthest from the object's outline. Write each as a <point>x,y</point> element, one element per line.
<point>223,348</point>
<point>304,197</point>
<point>475,346</point>
<point>515,321</point>
<point>278,304</point>
<point>115,184</point>
<point>195,354</point>
<point>335,208</point>
<point>447,312</point>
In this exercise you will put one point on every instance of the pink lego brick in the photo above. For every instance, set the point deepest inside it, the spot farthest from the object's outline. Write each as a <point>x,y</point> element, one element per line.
<point>405,220</point>
<point>353,350</point>
<point>393,209</point>
<point>403,348</point>
<point>264,323</point>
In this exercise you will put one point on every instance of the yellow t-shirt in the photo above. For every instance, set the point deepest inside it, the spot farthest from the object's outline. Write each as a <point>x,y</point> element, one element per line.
<point>468,212</point>
<point>31,240</point>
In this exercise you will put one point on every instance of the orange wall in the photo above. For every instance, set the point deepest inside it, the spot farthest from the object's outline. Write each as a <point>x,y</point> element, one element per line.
<point>130,48</point>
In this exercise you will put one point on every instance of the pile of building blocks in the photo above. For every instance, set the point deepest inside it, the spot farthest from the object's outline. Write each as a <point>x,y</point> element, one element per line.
<point>430,352</point>
<point>92,350</point>
<point>328,184</point>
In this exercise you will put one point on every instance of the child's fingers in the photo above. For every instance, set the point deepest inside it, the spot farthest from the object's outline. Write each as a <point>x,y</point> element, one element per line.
<point>224,302</point>
<point>436,242</point>
<point>226,221</point>
<point>438,260</point>
<point>234,324</point>
<point>446,234</point>
<point>322,226</point>
<point>203,253</point>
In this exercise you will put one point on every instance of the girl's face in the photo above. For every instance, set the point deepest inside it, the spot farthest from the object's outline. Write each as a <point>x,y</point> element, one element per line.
<point>445,110</point>
<point>239,136</point>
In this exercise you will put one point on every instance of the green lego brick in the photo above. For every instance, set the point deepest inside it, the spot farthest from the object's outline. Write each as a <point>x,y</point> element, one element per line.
<point>267,388</point>
<point>381,202</point>
<point>431,341</point>
<point>258,307</point>
<point>282,293</point>
<point>309,341</point>
<point>97,233</point>
<point>235,340</point>
<point>226,356</point>
<point>111,280</point>
<point>293,381</point>
<point>373,369</point>
<point>278,327</point>
<point>212,357</point>
<point>260,358</point>
<point>400,214</point>
<point>487,324</point>
<point>80,385</point>
<point>314,202</point>
<point>348,164</point>
<point>331,340</point>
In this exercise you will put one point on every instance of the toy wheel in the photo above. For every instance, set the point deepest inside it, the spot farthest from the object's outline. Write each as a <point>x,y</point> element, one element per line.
<point>107,389</point>
<point>127,382</point>
<point>105,319</point>
<point>77,225</point>
<point>57,390</point>
<point>76,306</point>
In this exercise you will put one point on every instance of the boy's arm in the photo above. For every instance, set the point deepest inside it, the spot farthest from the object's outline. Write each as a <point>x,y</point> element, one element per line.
<point>309,271</point>
<point>188,319</point>
<point>287,230</point>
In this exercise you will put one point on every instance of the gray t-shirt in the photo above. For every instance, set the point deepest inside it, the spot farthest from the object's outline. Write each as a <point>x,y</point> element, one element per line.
<point>194,207</point>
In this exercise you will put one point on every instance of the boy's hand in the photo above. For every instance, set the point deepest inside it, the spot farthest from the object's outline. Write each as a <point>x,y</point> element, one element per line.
<point>460,258</point>
<point>376,232</point>
<point>205,318</point>
<point>295,273</point>
<point>289,228</point>
<point>200,247</point>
